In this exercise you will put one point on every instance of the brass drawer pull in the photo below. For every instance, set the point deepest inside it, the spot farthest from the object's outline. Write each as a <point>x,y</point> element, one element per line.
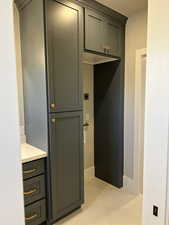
<point>29,171</point>
<point>30,192</point>
<point>31,217</point>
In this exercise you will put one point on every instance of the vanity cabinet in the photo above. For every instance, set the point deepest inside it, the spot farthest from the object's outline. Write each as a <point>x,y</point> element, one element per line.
<point>33,169</point>
<point>102,34</point>
<point>35,213</point>
<point>34,192</point>
<point>34,189</point>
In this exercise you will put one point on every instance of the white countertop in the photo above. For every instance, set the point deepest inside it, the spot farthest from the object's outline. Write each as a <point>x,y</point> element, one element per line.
<point>30,153</point>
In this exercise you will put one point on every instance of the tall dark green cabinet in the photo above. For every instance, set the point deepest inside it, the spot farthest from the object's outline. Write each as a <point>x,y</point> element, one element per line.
<point>52,45</point>
<point>54,36</point>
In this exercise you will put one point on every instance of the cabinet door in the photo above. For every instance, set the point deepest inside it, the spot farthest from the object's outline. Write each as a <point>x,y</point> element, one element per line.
<point>64,45</point>
<point>66,157</point>
<point>112,38</point>
<point>94,27</point>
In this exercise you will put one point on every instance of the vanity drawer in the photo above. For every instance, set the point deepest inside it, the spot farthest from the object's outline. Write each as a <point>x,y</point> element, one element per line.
<point>34,168</point>
<point>34,189</point>
<point>35,214</point>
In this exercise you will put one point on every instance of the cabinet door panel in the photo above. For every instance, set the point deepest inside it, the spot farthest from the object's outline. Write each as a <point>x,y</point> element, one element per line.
<point>112,38</point>
<point>64,25</point>
<point>94,26</point>
<point>102,35</point>
<point>66,156</point>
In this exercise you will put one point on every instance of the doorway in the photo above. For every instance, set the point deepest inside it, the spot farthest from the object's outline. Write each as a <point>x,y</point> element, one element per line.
<point>103,118</point>
<point>88,69</point>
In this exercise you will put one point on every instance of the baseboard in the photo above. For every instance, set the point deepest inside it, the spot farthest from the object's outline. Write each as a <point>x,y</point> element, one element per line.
<point>129,185</point>
<point>89,173</point>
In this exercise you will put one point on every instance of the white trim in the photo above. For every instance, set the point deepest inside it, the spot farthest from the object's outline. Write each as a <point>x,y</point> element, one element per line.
<point>137,125</point>
<point>167,194</point>
<point>128,184</point>
<point>89,173</point>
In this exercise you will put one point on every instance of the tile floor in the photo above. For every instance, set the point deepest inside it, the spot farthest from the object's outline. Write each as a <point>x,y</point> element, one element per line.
<point>106,205</point>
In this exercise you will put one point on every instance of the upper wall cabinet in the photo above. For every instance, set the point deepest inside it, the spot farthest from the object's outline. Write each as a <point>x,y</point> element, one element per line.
<point>94,29</point>
<point>102,35</point>
<point>65,44</point>
<point>112,38</point>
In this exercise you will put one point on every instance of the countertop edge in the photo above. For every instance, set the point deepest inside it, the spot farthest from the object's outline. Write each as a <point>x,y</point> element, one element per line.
<point>30,153</point>
<point>33,158</point>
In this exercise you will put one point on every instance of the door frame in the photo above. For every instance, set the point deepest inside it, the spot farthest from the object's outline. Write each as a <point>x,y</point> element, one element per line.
<point>138,127</point>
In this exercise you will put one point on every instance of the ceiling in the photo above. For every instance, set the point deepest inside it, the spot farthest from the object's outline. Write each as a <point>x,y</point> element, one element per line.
<point>126,7</point>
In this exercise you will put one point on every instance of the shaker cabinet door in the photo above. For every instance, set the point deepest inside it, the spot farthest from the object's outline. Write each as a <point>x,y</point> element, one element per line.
<point>102,35</point>
<point>112,38</point>
<point>64,46</point>
<point>66,157</point>
<point>94,27</point>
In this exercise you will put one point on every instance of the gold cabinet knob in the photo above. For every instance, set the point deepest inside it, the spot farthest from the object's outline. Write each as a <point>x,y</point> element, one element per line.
<point>52,106</point>
<point>53,120</point>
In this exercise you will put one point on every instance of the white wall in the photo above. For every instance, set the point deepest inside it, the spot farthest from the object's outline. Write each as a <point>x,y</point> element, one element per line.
<point>88,76</point>
<point>136,36</point>
<point>19,72</point>
<point>11,190</point>
<point>157,112</point>
<point>19,64</point>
